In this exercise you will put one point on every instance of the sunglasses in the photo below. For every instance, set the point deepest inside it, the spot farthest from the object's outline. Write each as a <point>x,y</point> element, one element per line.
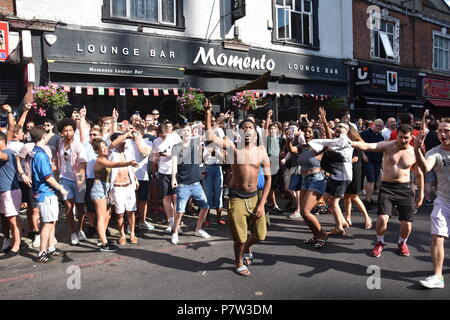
<point>155,114</point>
<point>93,134</point>
<point>342,127</point>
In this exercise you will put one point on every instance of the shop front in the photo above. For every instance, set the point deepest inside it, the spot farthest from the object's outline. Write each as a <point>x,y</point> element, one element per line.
<point>137,72</point>
<point>436,92</point>
<point>382,91</point>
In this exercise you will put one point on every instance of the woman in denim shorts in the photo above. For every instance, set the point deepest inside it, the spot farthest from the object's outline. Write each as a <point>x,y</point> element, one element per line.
<point>313,186</point>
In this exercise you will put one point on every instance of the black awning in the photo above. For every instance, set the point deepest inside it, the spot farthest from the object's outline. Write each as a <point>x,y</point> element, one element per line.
<point>120,70</point>
<point>389,103</point>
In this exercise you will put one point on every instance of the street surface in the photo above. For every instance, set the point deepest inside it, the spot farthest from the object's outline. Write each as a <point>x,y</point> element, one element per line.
<point>284,268</point>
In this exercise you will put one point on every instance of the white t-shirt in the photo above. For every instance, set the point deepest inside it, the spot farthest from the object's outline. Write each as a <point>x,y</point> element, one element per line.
<point>15,146</point>
<point>142,170</point>
<point>442,170</point>
<point>386,133</point>
<point>91,157</point>
<point>166,146</point>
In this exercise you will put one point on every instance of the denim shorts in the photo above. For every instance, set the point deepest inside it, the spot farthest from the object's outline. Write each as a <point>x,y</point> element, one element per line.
<point>314,182</point>
<point>72,188</point>
<point>99,190</point>
<point>194,190</point>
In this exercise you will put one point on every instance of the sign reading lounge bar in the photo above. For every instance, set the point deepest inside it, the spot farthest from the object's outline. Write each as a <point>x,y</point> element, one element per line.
<point>133,49</point>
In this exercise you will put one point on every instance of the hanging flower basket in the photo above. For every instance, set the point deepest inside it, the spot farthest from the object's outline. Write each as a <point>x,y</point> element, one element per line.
<point>50,101</point>
<point>244,100</point>
<point>191,101</point>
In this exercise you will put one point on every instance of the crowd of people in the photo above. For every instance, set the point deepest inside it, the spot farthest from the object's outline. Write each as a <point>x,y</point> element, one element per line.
<point>96,170</point>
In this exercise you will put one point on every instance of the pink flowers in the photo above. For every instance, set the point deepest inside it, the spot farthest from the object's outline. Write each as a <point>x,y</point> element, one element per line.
<point>244,100</point>
<point>191,100</point>
<point>49,98</point>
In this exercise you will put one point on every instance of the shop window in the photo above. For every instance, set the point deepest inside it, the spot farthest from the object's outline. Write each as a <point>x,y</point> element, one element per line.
<point>296,21</point>
<point>385,39</point>
<point>441,49</point>
<point>153,13</point>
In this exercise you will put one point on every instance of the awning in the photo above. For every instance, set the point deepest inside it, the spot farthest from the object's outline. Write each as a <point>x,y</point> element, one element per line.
<point>439,103</point>
<point>393,103</point>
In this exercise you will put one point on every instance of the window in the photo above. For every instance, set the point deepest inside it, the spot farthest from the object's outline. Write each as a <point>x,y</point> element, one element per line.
<point>385,37</point>
<point>154,12</point>
<point>441,48</point>
<point>295,21</point>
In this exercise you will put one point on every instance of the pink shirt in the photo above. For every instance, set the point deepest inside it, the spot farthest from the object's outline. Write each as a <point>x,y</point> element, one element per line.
<point>69,160</point>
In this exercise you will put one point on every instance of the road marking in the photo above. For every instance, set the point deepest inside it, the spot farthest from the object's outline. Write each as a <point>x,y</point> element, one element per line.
<point>101,262</point>
<point>24,277</point>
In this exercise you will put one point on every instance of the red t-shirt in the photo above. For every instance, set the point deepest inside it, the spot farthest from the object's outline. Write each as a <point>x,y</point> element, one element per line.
<point>394,136</point>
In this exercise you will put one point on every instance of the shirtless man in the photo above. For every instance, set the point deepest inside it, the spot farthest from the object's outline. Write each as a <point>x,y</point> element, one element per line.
<point>395,188</point>
<point>245,211</point>
<point>123,186</point>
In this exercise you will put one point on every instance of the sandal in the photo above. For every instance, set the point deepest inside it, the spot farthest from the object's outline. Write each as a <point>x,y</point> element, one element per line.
<point>369,225</point>
<point>337,232</point>
<point>248,258</point>
<point>320,243</point>
<point>310,241</point>
<point>242,271</point>
<point>122,241</point>
<point>133,240</point>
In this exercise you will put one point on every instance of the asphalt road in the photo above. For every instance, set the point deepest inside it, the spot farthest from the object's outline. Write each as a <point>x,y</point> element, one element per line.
<point>198,269</point>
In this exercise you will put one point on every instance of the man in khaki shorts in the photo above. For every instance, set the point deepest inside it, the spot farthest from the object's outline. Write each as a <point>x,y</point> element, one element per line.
<point>245,211</point>
<point>398,158</point>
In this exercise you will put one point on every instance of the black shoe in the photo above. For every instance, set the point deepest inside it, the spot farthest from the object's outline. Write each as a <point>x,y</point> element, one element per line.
<point>109,247</point>
<point>57,253</point>
<point>10,254</point>
<point>32,235</point>
<point>43,258</point>
<point>277,211</point>
<point>91,232</point>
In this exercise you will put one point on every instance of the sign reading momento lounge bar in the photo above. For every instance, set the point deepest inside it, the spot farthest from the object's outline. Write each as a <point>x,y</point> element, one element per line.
<point>124,52</point>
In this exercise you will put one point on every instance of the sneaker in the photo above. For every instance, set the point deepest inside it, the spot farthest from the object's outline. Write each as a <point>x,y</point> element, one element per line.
<point>99,243</point>
<point>37,241</point>
<point>403,249</point>
<point>109,247</point>
<point>10,254</point>
<point>168,229</point>
<point>57,253</point>
<point>376,252</point>
<point>43,258</point>
<point>277,210</point>
<point>433,282</point>
<point>295,215</point>
<point>174,238</point>
<point>81,236</point>
<point>6,244</point>
<point>146,226</point>
<point>202,233</point>
<point>429,202</point>
<point>74,239</point>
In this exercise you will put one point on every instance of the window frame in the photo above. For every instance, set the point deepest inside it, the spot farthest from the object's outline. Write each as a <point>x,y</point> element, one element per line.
<point>444,37</point>
<point>179,21</point>
<point>313,25</point>
<point>395,41</point>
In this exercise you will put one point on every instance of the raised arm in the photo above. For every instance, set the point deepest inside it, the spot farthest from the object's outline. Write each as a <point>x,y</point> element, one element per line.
<point>11,122</point>
<point>112,164</point>
<point>210,136</point>
<point>82,128</point>
<point>372,147</point>
<point>420,184</point>
<point>323,119</point>
<point>426,165</point>
<point>143,150</point>
<point>115,116</point>
<point>120,139</point>
<point>23,116</point>
<point>291,148</point>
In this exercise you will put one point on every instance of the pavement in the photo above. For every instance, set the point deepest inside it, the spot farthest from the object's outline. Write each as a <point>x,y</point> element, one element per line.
<point>198,269</point>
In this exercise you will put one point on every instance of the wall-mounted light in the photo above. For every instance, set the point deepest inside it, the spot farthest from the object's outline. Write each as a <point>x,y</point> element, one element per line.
<point>269,24</point>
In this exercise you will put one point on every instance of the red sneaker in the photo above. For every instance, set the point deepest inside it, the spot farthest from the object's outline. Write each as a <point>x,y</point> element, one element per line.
<point>403,249</point>
<point>376,252</point>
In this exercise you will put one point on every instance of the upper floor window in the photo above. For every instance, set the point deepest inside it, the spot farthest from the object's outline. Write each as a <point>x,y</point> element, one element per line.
<point>385,39</point>
<point>295,21</point>
<point>157,13</point>
<point>441,48</point>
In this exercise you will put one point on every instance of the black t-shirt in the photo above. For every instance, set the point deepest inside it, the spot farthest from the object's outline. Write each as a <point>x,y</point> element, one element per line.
<point>370,136</point>
<point>189,159</point>
<point>431,140</point>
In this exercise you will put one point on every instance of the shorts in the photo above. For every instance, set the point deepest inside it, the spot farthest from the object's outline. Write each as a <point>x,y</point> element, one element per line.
<point>337,188</point>
<point>274,182</point>
<point>295,184</point>
<point>90,207</point>
<point>10,202</point>
<point>287,173</point>
<point>124,199</point>
<point>241,219</point>
<point>430,176</point>
<point>72,188</point>
<point>314,182</point>
<point>440,218</point>
<point>99,190</point>
<point>372,171</point>
<point>397,194</point>
<point>194,190</point>
<point>27,195</point>
<point>142,192</point>
<point>49,209</point>
<point>165,185</point>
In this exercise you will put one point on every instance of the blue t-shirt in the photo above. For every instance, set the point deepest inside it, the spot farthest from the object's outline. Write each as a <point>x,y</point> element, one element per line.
<point>8,173</point>
<point>41,169</point>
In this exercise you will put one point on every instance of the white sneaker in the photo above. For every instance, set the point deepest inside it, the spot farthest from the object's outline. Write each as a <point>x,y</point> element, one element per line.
<point>81,236</point>
<point>168,229</point>
<point>433,282</point>
<point>6,243</point>
<point>202,233</point>
<point>74,239</point>
<point>295,215</point>
<point>146,226</point>
<point>37,241</point>
<point>175,238</point>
